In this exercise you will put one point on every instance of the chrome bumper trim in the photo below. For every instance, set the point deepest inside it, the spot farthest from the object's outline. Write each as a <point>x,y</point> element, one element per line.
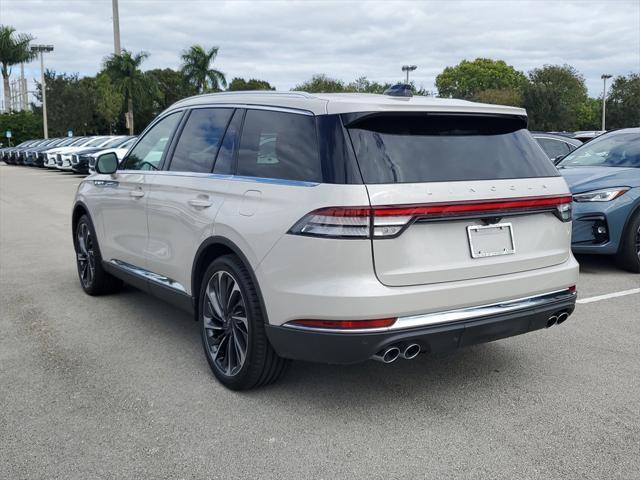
<point>457,315</point>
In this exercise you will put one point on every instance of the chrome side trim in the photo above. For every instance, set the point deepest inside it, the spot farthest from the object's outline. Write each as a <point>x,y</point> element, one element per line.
<point>457,315</point>
<point>146,274</point>
<point>218,176</point>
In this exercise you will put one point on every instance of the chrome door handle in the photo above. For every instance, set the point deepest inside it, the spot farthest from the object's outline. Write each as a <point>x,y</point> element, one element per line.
<point>200,203</point>
<point>136,193</point>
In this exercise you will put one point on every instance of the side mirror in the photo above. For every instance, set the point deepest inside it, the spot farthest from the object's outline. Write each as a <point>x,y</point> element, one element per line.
<point>558,159</point>
<point>107,163</point>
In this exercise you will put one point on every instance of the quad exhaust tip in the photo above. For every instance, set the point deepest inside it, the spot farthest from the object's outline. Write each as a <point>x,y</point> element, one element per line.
<point>392,353</point>
<point>388,355</point>
<point>562,317</point>
<point>410,351</point>
<point>557,318</point>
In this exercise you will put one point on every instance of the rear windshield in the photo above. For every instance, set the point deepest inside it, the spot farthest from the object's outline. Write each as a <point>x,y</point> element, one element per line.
<point>408,148</point>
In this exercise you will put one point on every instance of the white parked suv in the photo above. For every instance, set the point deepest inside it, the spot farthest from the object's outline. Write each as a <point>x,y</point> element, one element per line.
<point>333,227</point>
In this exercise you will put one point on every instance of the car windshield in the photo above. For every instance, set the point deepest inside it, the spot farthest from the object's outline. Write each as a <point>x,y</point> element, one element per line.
<point>115,142</point>
<point>617,150</point>
<point>95,142</point>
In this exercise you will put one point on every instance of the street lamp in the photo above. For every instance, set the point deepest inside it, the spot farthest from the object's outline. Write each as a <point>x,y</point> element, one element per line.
<point>116,28</point>
<point>604,77</point>
<point>41,49</point>
<point>408,68</point>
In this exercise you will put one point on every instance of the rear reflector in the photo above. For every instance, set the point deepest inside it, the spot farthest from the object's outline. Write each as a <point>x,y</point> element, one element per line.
<point>390,221</point>
<point>344,324</point>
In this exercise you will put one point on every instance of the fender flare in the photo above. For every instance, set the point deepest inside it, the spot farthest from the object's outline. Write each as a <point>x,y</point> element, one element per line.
<point>218,240</point>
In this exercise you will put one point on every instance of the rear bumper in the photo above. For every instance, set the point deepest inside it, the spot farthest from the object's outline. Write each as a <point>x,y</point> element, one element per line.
<point>346,348</point>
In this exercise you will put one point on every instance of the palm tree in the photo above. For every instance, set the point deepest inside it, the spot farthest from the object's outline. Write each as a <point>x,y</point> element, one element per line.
<point>14,49</point>
<point>128,79</point>
<point>196,67</point>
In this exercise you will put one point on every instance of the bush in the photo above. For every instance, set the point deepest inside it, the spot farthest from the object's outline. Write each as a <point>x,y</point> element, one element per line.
<point>23,126</point>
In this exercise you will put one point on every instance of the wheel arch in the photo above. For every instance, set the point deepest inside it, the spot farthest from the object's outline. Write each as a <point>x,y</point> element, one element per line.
<point>635,209</point>
<point>79,209</point>
<point>210,249</point>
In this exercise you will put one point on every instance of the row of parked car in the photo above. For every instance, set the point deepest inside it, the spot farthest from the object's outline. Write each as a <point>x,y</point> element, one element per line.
<point>66,153</point>
<point>77,153</point>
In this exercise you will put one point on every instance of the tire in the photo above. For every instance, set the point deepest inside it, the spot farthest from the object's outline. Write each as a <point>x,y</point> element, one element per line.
<point>629,254</point>
<point>94,280</point>
<point>233,337</point>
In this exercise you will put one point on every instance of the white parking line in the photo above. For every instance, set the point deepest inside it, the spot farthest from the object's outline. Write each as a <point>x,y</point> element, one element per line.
<point>608,295</point>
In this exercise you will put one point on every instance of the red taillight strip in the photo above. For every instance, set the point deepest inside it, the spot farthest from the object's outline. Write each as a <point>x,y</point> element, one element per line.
<point>344,324</point>
<point>458,208</point>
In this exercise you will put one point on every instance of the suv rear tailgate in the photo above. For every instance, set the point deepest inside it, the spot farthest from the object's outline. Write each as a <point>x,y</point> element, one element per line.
<point>439,250</point>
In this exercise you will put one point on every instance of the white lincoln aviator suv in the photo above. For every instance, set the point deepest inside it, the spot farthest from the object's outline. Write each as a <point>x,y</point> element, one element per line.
<point>333,227</point>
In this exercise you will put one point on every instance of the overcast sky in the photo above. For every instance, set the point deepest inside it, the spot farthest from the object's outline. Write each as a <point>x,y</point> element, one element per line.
<point>287,42</point>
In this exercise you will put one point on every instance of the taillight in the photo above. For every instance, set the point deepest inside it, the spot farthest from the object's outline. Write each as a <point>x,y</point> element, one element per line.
<point>390,221</point>
<point>344,324</point>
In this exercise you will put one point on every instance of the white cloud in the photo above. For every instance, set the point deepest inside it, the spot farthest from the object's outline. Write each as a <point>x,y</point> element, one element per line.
<point>286,42</point>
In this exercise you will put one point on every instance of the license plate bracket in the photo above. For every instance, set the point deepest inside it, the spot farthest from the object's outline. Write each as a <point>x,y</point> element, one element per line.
<point>491,240</point>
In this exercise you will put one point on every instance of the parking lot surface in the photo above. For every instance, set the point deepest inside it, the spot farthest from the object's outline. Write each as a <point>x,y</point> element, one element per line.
<point>118,386</point>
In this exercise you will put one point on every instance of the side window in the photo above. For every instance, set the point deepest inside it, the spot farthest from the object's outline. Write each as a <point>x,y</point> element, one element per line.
<point>279,145</point>
<point>224,162</point>
<point>553,148</point>
<point>199,141</point>
<point>146,155</point>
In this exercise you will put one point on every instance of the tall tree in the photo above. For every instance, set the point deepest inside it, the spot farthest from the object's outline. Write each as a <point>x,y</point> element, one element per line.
<point>364,85</point>
<point>469,78</point>
<point>320,83</point>
<point>238,84</point>
<point>124,71</point>
<point>623,103</point>
<point>109,102</point>
<point>196,67</point>
<point>14,49</point>
<point>71,103</point>
<point>171,86</point>
<point>555,98</point>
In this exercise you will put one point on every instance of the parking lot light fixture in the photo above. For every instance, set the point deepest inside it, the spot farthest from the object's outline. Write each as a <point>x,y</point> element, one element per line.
<point>41,49</point>
<point>604,77</point>
<point>407,69</point>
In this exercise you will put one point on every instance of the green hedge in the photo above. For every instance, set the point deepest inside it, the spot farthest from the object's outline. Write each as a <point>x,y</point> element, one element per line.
<point>23,126</point>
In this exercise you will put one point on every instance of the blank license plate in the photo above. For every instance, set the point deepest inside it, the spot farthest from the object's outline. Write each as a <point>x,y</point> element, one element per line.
<point>491,240</point>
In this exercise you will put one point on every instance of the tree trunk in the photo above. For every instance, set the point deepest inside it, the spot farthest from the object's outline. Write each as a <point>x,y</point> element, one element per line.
<point>7,93</point>
<point>130,116</point>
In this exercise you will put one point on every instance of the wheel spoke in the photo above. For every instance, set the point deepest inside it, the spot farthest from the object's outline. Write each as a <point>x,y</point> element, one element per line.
<point>225,323</point>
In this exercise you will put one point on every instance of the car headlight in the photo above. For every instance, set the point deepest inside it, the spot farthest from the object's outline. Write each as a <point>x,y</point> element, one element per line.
<point>604,195</point>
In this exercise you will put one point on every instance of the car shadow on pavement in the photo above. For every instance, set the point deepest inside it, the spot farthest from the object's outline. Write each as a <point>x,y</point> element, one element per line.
<point>597,264</point>
<point>484,367</point>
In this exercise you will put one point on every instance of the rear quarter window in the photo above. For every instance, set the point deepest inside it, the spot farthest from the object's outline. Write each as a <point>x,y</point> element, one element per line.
<point>279,145</point>
<point>412,148</point>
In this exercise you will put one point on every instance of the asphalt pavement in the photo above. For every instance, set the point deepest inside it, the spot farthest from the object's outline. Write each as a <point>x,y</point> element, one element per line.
<point>118,386</point>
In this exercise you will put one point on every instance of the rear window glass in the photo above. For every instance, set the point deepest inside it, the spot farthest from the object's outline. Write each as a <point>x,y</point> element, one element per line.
<point>279,145</point>
<point>438,148</point>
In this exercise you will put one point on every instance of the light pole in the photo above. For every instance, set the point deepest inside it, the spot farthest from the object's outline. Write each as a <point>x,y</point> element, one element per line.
<point>604,77</point>
<point>41,49</point>
<point>116,28</point>
<point>408,68</point>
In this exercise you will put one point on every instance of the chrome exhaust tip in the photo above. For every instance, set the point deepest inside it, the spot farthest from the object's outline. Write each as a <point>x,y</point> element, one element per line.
<point>388,355</point>
<point>552,321</point>
<point>410,351</point>
<point>562,317</point>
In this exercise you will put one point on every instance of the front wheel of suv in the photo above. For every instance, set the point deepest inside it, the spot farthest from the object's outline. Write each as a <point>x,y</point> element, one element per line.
<point>629,254</point>
<point>94,280</point>
<point>233,334</point>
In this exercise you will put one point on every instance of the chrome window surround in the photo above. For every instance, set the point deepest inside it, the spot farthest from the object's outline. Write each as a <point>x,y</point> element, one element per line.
<point>457,315</point>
